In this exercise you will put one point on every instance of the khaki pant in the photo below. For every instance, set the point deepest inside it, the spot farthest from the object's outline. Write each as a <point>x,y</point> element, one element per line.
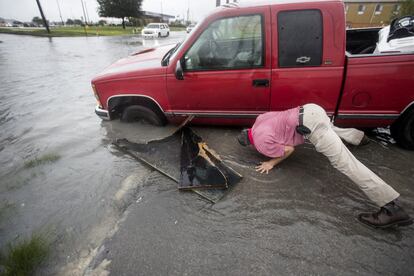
<point>327,140</point>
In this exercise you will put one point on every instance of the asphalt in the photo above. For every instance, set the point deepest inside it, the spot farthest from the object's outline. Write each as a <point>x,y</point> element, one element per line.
<point>299,219</point>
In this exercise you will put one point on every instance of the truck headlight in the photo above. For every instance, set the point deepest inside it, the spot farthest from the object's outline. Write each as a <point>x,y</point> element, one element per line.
<point>98,101</point>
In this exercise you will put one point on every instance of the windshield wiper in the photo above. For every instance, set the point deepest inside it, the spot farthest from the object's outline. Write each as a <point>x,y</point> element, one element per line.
<point>166,59</point>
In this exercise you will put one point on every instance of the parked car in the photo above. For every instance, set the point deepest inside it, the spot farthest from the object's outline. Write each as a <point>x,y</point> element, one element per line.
<point>244,60</point>
<point>399,36</point>
<point>155,30</point>
<point>190,28</point>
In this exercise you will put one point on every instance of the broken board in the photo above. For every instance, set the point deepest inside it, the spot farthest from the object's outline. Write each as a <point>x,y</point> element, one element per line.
<point>164,156</point>
<point>198,170</point>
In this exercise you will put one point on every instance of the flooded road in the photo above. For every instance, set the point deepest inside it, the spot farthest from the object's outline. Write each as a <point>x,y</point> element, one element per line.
<point>47,109</point>
<point>105,212</point>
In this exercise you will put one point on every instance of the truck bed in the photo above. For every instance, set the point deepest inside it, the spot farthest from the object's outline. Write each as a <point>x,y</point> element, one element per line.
<point>377,89</point>
<point>361,41</point>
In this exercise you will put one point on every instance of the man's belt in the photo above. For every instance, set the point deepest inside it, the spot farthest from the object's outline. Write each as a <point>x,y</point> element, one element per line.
<point>301,110</point>
<point>301,129</point>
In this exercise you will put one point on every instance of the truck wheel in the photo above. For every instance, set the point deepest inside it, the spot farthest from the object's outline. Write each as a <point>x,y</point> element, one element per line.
<point>159,34</point>
<point>141,113</point>
<point>403,130</point>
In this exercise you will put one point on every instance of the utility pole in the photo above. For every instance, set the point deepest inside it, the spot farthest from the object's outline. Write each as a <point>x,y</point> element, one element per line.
<point>60,14</point>
<point>162,19</point>
<point>43,16</point>
<point>87,14</point>
<point>84,15</point>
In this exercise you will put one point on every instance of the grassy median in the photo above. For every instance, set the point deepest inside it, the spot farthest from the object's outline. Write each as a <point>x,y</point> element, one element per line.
<point>24,257</point>
<point>78,31</point>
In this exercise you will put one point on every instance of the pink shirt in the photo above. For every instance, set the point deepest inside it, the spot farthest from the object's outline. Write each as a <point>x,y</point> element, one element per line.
<point>273,130</point>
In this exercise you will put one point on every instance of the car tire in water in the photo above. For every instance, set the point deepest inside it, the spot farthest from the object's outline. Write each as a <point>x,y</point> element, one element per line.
<point>403,130</point>
<point>136,113</point>
<point>168,34</point>
<point>159,34</point>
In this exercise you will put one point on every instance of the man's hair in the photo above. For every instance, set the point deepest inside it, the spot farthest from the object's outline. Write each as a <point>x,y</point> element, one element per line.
<point>243,137</point>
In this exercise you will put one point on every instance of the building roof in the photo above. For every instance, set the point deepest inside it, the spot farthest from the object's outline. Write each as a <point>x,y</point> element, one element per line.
<point>155,14</point>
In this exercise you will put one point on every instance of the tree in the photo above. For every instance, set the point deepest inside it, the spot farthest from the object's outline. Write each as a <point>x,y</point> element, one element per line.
<point>407,7</point>
<point>37,20</point>
<point>119,9</point>
<point>70,22</point>
<point>102,22</point>
<point>78,22</point>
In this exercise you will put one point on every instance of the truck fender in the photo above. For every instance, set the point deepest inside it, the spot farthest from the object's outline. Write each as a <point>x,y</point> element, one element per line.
<point>117,103</point>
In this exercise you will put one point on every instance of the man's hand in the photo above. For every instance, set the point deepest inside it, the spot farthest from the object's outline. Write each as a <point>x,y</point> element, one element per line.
<point>265,167</point>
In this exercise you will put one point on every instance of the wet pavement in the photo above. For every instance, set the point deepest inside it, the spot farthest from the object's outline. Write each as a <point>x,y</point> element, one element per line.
<point>106,212</point>
<point>299,219</point>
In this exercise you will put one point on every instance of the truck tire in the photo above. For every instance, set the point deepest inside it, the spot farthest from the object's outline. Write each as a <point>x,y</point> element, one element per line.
<point>159,34</point>
<point>403,130</point>
<point>135,113</point>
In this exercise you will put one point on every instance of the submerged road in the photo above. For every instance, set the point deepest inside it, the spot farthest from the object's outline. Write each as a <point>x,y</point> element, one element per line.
<point>106,213</point>
<point>300,219</point>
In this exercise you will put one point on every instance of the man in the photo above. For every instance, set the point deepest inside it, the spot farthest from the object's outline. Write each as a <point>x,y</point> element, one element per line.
<point>275,134</point>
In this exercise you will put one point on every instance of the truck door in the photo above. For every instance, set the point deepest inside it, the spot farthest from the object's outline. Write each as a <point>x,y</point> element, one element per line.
<point>226,68</point>
<point>308,55</point>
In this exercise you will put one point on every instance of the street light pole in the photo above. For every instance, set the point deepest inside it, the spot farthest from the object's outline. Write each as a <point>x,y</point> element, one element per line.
<point>60,13</point>
<point>43,16</point>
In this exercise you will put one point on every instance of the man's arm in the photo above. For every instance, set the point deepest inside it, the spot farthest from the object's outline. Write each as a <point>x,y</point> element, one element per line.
<point>266,166</point>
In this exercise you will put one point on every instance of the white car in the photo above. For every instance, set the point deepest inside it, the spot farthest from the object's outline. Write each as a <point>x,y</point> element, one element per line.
<point>190,28</point>
<point>155,30</point>
<point>398,37</point>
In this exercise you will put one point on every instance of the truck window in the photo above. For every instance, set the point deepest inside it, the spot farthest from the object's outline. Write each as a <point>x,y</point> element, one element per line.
<point>300,38</point>
<point>229,43</point>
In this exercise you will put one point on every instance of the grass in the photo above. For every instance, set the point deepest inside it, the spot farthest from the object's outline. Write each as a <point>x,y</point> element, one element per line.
<point>44,159</point>
<point>77,31</point>
<point>24,257</point>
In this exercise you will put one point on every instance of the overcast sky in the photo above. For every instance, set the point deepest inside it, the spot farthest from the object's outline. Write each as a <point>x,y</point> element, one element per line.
<point>25,10</point>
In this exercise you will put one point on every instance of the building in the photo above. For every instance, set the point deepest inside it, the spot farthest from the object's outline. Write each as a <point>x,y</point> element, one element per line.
<point>156,17</point>
<point>371,13</point>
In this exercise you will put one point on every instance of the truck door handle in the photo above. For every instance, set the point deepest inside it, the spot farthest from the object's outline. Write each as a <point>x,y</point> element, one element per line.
<point>261,82</point>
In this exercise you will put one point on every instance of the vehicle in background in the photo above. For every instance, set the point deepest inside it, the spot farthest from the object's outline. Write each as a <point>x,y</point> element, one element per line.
<point>398,37</point>
<point>156,30</point>
<point>244,60</point>
<point>190,28</point>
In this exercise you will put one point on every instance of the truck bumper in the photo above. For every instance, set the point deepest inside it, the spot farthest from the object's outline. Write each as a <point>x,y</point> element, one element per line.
<point>102,113</point>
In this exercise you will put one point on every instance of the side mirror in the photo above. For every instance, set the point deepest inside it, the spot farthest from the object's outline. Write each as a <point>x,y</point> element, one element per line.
<point>179,73</point>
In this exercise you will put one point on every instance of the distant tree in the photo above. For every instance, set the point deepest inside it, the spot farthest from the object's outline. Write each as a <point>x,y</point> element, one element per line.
<point>37,20</point>
<point>78,22</point>
<point>70,22</point>
<point>102,22</point>
<point>119,9</point>
<point>407,7</point>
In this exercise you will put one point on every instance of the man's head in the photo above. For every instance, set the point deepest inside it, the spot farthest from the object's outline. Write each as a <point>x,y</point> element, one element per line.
<point>243,137</point>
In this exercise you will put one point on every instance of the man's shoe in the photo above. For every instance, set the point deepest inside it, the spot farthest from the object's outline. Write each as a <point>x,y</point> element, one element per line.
<point>365,141</point>
<point>388,216</point>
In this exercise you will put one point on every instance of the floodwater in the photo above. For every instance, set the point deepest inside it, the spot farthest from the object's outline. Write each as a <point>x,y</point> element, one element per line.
<point>47,108</point>
<point>105,212</point>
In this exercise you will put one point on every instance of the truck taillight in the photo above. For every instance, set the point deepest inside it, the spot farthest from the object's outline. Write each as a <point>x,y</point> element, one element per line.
<point>96,96</point>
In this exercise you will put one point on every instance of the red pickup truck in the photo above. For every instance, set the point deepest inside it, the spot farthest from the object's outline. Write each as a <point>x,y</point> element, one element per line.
<point>244,60</point>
